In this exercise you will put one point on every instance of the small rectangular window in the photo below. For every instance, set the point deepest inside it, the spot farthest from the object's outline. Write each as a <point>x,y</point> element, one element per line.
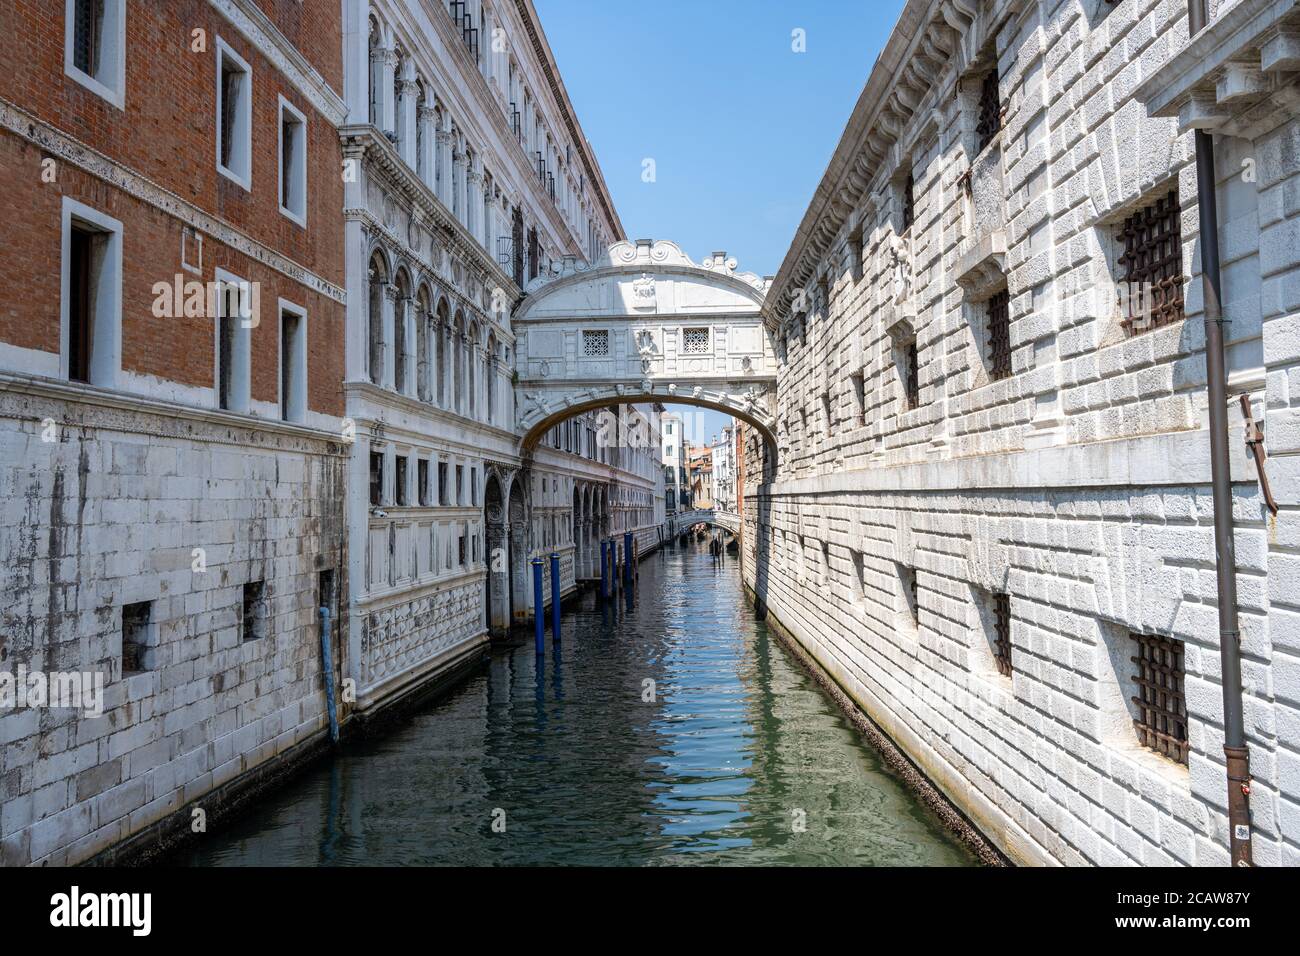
<point>254,618</point>
<point>234,321</point>
<point>92,295</point>
<point>234,121</point>
<point>1161,720</point>
<point>94,42</point>
<point>999,310</point>
<point>1002,633</point>
<point>80,319</point>
<point>909,201</point>
<point>293,163</point>
<point>908,593</point>
<point>595,343</point>
<point>325,590</point>
<point>473,486</point>
<point>911,375</point>
<point>460,548</point>
<point>376,477</point>
<point>139,639</point>
<point>859,399</point>
<point>293,366</point>
<point>460,484</point>
<point>443,491</point>
<point>400,479</point>
<point>422,477</point>
<point>1150,277</point>
<point>696,341</point>
<point>989,121</point>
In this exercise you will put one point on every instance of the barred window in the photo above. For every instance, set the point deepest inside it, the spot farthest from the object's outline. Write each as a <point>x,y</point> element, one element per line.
<point>1151,266</point>
<point>1002,633</point>
<point>1000,335</point>
<point>595,342</point>
<point>909,202</point>
<point>990,111</point>
<point>911,375</point>
<point>1161,720</point>
<point>695,341</point>
<point>907,587</point>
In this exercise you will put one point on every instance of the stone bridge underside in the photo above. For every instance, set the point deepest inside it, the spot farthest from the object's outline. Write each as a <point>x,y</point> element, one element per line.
<point>644,324</point>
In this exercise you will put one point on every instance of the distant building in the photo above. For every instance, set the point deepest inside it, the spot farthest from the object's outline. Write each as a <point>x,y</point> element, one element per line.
<point>723,452</point>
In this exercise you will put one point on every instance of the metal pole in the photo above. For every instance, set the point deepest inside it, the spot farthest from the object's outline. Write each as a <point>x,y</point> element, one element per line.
<point>327,657</point>
<point>539,616</point>
<point>627,557</point>
<point>604,569</point>
<point>555,597</point>
<point>1234,737</point>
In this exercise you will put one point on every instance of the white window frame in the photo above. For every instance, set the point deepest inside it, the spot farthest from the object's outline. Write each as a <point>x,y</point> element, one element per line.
<point>106,345</point>
<point>111,83</point>
<point>300,161</point>
<point>245,148</point>
<point>297,407</point>
<point>241,382</point>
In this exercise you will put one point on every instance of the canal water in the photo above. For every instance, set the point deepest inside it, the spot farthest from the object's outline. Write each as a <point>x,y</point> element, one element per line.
<point>679,731</point>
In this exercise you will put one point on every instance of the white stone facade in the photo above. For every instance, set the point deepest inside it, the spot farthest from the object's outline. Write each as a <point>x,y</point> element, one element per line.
<point>1073,480</point>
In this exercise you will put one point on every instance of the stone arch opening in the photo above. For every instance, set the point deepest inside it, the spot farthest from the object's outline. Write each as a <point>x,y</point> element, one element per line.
<point>575,405</point>
<point>500,583</point>
<point>517,556</point>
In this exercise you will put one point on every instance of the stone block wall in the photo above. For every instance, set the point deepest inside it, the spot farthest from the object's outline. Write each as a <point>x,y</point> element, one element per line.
<point>1078,485</point>
<point>127,506</point>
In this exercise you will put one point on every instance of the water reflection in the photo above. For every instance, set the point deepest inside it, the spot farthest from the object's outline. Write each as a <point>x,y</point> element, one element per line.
<point>669,728</point>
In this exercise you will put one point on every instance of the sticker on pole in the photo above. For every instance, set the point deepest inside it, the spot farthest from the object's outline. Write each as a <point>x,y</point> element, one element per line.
<point>1241,831</point>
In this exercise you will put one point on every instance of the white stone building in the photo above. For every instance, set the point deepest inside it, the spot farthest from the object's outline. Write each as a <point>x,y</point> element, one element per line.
<point>472,177</point>
<point>991,485</point>
<point>723,451</point>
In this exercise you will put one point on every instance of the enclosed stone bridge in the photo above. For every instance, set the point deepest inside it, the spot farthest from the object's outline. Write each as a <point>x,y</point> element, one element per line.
<point>726,520</point>
<point>644,323</point>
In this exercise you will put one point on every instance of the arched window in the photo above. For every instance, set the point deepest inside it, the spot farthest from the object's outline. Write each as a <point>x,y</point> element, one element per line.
<point>378,278</point>
<point>472,354</point>
<point>422,345</point>
<point>376,66</point>
<point>458,347</point>
<point>491,379</point>
<point>443,359</point>
<point>401,347</point>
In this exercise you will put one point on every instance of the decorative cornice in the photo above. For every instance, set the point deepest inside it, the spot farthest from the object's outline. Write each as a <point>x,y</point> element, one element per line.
<point>246,17</point>
<point>926,41</point>
<point>543,52</point>
<point>364,142</point>
<point>72,151</point>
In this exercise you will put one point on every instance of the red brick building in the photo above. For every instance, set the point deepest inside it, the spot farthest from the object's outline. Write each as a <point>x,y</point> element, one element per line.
<point>171,451</point>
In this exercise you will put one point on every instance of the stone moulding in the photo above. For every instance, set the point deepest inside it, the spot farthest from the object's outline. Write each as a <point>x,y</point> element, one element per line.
<point>982,268</point>
<point>1239,59</point>
<point>929,39</point>
<point>65,148</point>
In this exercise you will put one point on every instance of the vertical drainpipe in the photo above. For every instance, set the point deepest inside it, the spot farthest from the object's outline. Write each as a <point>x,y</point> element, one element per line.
<point>1234,736</point>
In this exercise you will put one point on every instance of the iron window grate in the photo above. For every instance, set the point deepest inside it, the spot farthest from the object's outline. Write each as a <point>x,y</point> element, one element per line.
<point>912,384</point>
<point>1000,335</point>
<point>909,202</point>
<point>595,343</point>
<point>1161,723</point>
<point>1151,266</point>
<point>1002,633</point>
<point>990,111</point>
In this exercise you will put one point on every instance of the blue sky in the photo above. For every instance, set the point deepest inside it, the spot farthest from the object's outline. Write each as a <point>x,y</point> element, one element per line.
<point>740,126</point>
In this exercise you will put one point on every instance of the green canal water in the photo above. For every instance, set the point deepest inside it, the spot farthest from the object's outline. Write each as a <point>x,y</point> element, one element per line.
<point>679,731</point>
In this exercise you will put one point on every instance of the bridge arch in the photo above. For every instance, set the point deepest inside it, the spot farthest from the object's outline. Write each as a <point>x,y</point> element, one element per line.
<point>644,323</point>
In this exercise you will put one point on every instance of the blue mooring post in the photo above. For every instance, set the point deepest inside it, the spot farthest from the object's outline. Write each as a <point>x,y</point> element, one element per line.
<point>628,563</point>
<point>327,657</point>
<point>555,597</point>
<point>604,571</point>
<point>539,614</point>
